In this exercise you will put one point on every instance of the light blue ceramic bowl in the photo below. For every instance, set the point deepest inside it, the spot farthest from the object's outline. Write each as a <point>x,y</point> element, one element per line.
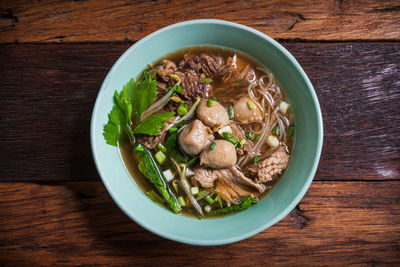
<point>275,206</point>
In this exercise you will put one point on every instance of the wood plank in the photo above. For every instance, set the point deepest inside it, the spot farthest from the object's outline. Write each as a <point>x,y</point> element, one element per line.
<point>337,224</point>
<point>48,92</point>
<point>109,21</point>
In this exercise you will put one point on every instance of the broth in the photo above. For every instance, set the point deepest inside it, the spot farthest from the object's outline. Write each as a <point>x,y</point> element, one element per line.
<point>226,94</point>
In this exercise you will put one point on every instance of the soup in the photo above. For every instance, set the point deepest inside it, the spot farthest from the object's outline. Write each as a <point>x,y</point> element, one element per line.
<point>204,131</point>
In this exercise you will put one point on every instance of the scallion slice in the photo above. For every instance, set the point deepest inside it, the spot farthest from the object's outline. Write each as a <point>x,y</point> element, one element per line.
<point>256,159</point>
<point>250,104</point>
<point>160,157</point>
<point>212,146</point>
<point>181,201</point>
<point>230,111</point>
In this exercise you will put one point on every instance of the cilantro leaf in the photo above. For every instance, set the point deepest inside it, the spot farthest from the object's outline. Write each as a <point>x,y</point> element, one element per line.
<point>141,94</point>
<point>128,107</point>
<point>153,124</point>
<point>111,133</point>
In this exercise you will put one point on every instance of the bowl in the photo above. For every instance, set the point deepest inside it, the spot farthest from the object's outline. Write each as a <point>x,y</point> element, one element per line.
<point>296,179</point>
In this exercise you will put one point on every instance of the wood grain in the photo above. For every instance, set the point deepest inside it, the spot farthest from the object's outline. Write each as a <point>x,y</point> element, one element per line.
<point>110,21</point>
<point>48,92</point>
<point>78,224</point>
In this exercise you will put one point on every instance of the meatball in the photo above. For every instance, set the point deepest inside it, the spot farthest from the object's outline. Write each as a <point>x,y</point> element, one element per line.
<point>245,110</point>
<point>223,155</point>
<point>215,116</point>
<point>194,137</point>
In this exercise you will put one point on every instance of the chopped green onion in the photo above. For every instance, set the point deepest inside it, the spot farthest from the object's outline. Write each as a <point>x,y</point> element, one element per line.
<point>258,137</point>
<point>161,147</point>
<point>182,109</point>
<point>209,103</point>
<point>206,80</point>
<point>160,157</point>
<point>239,80</point>
<point>275,131</point>
<point>212,146</point>
<point>214,98</point>
<point>194,190</point>
<point>173,130</point>
<point>290,131</point>
<point>230,111</point>
<point>242,142</point>
<point>250,104</point>
<point>256,159</point>
<point>178,88</point>
<point>231,138</point>
<point>209,199</point>
<point>250,136</point>
<point>154,196</point>
<point>207,208</point>
<point>201,193</point>
<point>181,201</point>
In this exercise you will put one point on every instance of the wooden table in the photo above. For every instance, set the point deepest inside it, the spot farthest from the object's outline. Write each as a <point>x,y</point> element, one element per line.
<point>55,210</point>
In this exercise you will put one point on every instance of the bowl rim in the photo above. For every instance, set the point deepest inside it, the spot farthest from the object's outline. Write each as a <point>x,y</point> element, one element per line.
<point>264,226</point>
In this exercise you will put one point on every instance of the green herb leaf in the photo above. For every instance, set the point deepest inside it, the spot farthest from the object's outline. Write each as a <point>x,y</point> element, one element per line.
<point>245,204</point>
<point>134,98</point>
<point>141,94</point>
<point>206,80</point>
<point>111,133</point>
<point>153,124</point>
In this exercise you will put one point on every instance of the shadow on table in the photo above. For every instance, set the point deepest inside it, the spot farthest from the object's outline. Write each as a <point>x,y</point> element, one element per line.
<point>112,233</point>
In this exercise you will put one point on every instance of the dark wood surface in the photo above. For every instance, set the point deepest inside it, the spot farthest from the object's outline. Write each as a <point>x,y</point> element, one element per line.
<point>337,223</point>
<point>55,211</point>
<point>110,21</point>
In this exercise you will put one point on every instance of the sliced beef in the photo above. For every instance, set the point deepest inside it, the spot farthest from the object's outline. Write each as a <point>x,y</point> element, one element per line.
<point>230,183</point>
<point>192,84</point>
<point>248,146</point>
<point>209,65</point>
<point>151,141</point>
<point>273,165</point>
<point>165,69</point>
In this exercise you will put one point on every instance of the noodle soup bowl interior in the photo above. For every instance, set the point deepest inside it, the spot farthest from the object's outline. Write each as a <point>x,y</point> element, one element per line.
<point>285,195</point>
